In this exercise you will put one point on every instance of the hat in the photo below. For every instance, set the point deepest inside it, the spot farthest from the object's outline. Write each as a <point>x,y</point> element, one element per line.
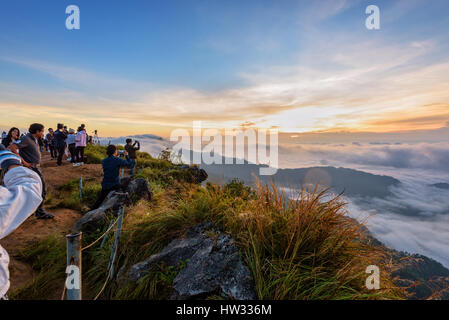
<point>7,159</point>
<point>71,131</point>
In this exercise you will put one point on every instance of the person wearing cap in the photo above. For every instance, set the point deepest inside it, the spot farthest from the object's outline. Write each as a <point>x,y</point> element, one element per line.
<point>96,140</point>
<point>27,148</point>
<point>71,143</point>
<point>81,143</point>
<point>20,196</point>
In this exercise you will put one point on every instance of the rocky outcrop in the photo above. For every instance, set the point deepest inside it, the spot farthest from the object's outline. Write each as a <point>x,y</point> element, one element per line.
<point>93,218</point>
<point>196,175</point>
<point>133,191</point>
<point>139,189</point>
<point>213,265</point>
<point>423,277</point>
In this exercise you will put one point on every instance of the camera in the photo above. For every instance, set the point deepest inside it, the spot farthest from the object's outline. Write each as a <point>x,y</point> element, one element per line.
<point>121,153</point>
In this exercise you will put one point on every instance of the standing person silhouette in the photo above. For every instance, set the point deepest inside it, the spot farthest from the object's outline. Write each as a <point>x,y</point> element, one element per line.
<point>60,144</point>
<point>131,149</point>
<point>51,143</point>
<point>80,143</point>
<point>71,141</point>
<point>96,140</point>
<point>28,149</point>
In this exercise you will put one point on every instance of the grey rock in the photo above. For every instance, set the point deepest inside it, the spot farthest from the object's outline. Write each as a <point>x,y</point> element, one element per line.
<point>134,190</point>
<point>213,265</point>
<point>197,175</point>
<point>176,251</point>
<point>93,218</point>
<point>139,189</point>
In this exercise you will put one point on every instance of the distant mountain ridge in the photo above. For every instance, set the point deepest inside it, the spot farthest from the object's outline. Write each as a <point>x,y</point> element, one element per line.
<point>349,181</point>
<point>441,185</point>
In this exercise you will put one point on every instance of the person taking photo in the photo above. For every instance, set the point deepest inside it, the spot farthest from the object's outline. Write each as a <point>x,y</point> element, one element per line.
<point>20,196</point>
<point>111,171</point>
<point>132,152</point>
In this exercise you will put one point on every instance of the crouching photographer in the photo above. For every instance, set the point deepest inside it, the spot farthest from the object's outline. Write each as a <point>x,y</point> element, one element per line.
<point>20,196</point>
<point>111,171</point>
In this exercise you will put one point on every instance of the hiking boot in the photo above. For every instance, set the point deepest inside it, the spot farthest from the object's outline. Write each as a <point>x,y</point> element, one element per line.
<point>42,214</point>
<point>46,216</point>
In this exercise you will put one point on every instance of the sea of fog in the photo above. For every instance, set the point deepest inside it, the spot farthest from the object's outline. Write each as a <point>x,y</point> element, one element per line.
<point>415,218</point>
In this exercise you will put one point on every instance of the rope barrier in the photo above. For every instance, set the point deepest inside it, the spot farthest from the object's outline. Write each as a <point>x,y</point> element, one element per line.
<point>64,290</point>
<point>113,252</point>
<point>104,234</point>
<point>117,237</point>
<point>114,249</point>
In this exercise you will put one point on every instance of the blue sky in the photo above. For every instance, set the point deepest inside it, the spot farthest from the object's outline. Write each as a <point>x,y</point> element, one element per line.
<point>226,62</point>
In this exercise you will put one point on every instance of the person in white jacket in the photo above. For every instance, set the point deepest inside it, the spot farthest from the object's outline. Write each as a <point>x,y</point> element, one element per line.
<point>20,196</point>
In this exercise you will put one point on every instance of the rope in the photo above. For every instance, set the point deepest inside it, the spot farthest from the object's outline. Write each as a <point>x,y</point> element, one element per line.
<point>63,292</point>
<point>106,236</point>
<point>104,285</point>
<point>109,273</point>
<point>65,287</point>
<point>113,253</point>
<point>90,245</point>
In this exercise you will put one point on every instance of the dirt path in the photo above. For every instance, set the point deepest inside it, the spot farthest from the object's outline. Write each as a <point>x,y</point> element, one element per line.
<point>33,229</point>
<point>30,231</point>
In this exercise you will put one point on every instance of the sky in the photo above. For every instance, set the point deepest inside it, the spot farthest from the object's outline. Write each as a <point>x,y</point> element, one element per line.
<point>139,67</point>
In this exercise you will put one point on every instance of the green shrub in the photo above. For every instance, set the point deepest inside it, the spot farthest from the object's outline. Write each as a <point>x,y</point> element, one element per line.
<point>295,249</point>
<point>48,258</point>
<point>89,196</point>
<point>94,153</point>
<point>70,185</point>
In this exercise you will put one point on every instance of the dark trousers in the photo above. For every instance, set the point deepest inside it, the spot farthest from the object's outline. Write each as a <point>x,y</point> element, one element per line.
<point>132,166</point>
<point>40,210</point>
<point>79,154</point>
<point>52,151</point>
<point>103,194</point>
<point>72,150</point>
<point>61,150</point>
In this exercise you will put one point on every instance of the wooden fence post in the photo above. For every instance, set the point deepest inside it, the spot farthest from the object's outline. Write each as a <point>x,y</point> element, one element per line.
<point>74,258</point>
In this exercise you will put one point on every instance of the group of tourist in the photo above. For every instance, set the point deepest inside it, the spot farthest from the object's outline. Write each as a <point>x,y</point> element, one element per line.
<point>58,143</point>
<point>23,190</point>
